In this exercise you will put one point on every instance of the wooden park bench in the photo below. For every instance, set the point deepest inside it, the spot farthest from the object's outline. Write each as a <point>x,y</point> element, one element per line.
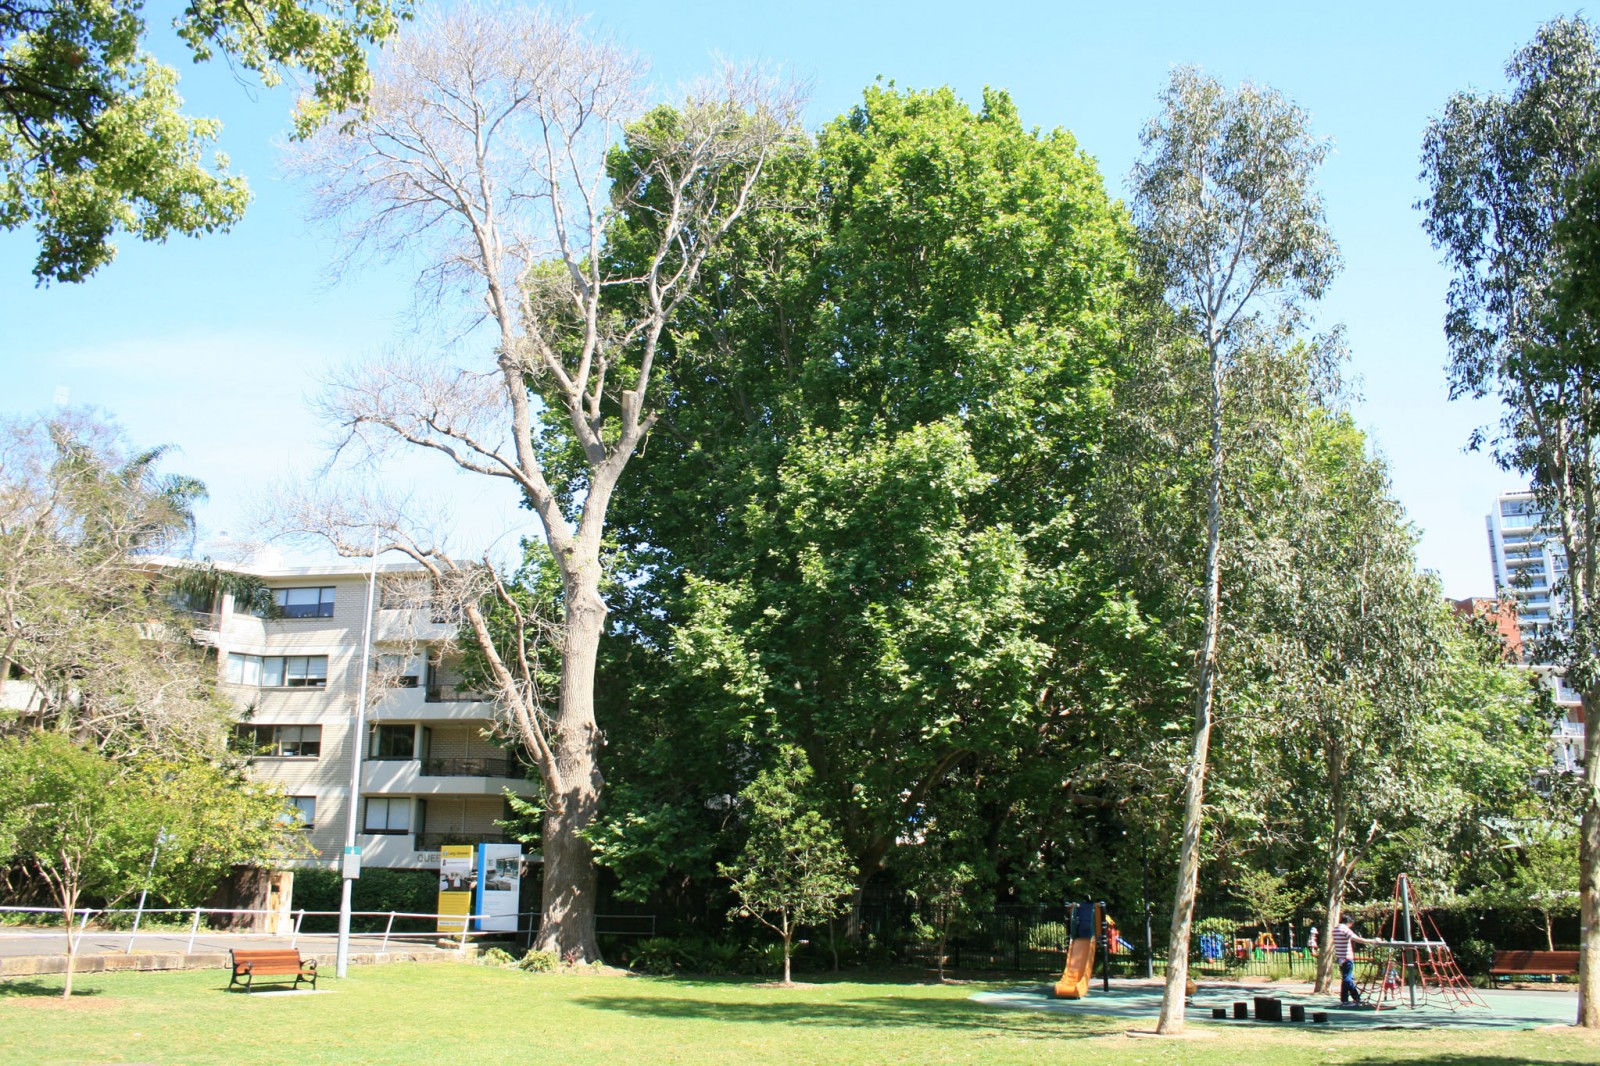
<point>1512,963</point>
<point>274,962</point>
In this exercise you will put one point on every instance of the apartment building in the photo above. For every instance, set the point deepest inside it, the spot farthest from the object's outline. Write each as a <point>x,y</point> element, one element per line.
<point>430,773</point>
<point>1528,565</point>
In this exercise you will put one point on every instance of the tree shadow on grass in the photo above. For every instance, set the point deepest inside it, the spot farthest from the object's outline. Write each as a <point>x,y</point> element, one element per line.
<point>874,1013</point>
<point>19,988</point>
<point>1562,1055</point>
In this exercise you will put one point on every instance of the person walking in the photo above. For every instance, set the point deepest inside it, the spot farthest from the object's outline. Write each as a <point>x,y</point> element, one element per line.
<point>1344,941</point>
<point>1311,944</point>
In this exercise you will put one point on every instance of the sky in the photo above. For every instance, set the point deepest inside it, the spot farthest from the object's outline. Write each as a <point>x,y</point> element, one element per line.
<point>215,344</point>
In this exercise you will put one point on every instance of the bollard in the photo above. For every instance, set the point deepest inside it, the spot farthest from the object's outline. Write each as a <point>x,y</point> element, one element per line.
<point>1320,1017</point>
<point>1219,1013</point>
<point>1297,1012</point>
<point>1241,1011</point>
<point>1269,1009</point>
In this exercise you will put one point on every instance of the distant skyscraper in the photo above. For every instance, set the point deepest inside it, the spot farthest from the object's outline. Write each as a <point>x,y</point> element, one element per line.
<point>1528,564</point>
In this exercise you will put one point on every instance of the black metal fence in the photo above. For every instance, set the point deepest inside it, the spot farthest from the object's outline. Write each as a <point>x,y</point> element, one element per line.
<point>1033,939</point>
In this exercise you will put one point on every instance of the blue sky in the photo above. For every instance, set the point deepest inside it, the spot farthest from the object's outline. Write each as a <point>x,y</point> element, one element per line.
<point>214,344</point>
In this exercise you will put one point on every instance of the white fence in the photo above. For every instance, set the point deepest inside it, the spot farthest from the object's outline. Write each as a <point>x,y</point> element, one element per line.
<point>295,935</point>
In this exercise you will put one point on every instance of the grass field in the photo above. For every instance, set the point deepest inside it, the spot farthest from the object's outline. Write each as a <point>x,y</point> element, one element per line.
<point>448,1012</point>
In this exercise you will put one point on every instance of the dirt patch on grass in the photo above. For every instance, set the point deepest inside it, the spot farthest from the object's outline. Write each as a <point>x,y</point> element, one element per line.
<point>789,984</point>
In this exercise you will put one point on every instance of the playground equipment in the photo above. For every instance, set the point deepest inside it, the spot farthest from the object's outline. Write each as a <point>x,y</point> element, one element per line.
<point>1083,925</point>
<point>1413,962</point>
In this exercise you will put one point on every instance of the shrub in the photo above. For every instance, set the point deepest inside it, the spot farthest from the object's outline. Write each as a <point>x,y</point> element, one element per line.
<point>540,962</point>
<point>496,957</point>
<point>1047,936</point>
<point>658,955</point>
<point>1473,955</point>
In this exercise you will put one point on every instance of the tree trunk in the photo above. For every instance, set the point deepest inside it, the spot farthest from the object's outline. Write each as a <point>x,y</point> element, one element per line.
<point>1338,867</point>
<point>68,910</point>
<point>1175,995</point>
<point>1549,934</point>
<point>788,947</point>
<point>1589,870</point>
<point>567,919</point>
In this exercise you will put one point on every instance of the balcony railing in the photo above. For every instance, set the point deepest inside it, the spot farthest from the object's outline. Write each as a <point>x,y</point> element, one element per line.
<point>434,841</point>
<point>483,766</point>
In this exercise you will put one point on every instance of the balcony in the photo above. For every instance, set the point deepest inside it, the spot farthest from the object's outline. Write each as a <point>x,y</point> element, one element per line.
<point>482,776</point>
<point>435,841</point>
<point>415,705</point>
<point>484,766</point>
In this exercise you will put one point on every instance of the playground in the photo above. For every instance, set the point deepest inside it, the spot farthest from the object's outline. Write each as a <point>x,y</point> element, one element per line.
<point>1501,1008</point>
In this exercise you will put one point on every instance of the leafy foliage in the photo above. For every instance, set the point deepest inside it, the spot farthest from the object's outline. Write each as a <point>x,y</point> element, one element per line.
<point>93,139</point>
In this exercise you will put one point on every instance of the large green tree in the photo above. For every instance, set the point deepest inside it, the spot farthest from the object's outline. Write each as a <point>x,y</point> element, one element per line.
<point>1502,170</point>
<point>93,137</point>
<point>855,527</point>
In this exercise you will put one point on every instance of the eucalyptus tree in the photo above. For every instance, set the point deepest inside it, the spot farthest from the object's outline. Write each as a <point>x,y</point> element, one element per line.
<point>1383,715</point>
<point>857,529</point>
<point>1502,170</point>
<point>499,149</point>
<point>1225,202</point>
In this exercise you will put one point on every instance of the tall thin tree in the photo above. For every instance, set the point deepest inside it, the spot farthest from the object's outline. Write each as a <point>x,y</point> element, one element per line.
<point>1225,202</point>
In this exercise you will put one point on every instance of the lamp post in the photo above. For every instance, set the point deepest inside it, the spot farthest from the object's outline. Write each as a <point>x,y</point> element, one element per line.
<point>350,861</point>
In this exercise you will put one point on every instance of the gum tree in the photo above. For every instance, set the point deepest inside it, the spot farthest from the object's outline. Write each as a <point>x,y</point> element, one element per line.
<point>1232,223</point>
<point>1503,171</point>
<point>502,148</point>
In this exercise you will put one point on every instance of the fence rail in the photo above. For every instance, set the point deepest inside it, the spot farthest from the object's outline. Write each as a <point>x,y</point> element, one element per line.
<point>83,916</point>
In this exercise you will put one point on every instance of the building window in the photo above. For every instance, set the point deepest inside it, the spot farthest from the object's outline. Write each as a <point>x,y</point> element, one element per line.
<point>283,741</point>
<point>395,670</point>
<point>302,812</point>
<point>387,817</point>
<point>394,742</point>
<point>305,603</point>
<point>278,671</point>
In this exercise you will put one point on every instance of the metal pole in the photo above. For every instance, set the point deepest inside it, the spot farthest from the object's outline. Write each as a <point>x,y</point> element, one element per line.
<point>357,741</point>
<point>161,835</point>
<point>193,929</point>
<point>294,938</point>
<point>387,930</point>
<point>1405,911</point>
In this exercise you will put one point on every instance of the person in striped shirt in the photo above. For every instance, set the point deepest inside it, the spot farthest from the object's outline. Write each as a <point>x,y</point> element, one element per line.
<point>1344,941</point>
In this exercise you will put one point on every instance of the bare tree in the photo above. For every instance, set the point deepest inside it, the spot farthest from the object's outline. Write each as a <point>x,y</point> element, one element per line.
<point>507,151</point>
<point>1233,224</point>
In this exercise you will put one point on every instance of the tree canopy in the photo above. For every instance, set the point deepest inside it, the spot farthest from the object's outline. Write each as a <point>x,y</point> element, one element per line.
<point>93,137</point>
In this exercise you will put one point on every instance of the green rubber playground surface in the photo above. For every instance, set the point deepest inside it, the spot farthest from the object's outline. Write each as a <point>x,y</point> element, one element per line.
<point>1502,1009</point>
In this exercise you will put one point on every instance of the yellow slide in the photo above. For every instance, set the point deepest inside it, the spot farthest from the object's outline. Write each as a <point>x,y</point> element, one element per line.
<point>1074,983</point>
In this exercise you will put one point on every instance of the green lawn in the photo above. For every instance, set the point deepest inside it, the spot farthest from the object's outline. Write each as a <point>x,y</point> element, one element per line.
<point>462,1013</point>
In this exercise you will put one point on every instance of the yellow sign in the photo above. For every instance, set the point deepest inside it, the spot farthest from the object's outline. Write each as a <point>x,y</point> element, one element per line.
<point>458,877</point>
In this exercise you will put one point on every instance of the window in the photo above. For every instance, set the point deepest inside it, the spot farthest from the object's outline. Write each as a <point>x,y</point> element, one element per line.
<point>283,741</point>
<point>394,742</point>
<point>305,603</point>
<point>395,670</point>
<point>388,816</point>
<point>302,812</point>
<point>278,671</point>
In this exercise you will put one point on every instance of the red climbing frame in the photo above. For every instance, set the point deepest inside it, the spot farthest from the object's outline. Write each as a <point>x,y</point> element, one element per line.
<point>1414,967</point>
